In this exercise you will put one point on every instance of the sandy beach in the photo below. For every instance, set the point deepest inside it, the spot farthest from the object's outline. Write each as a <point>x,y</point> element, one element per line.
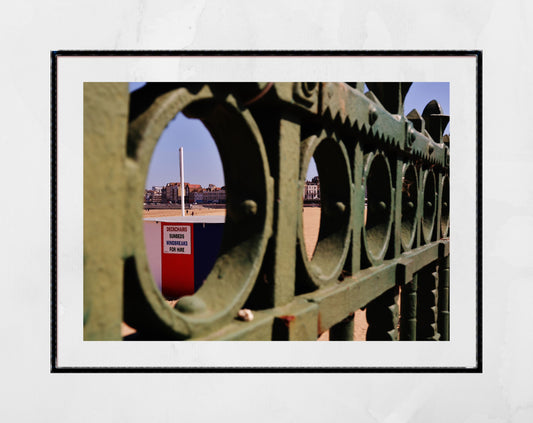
<point>177,212</point>
<point>311,223</point>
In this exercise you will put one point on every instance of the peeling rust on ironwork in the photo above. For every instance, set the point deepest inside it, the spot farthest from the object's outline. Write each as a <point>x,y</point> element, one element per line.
<point>287,319</point>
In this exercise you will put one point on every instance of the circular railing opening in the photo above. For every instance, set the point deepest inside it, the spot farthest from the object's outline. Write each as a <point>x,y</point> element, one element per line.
<point>445,208</point>
<point>379,208</point>
<point>409,206</point>
<point>429,209</point>
<point>325,229</point>
<point>183,239</point>
<point>246,226</point>
<point>311,210</point>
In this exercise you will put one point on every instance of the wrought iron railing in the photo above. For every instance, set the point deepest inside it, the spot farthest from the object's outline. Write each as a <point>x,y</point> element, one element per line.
<point>392,260</point>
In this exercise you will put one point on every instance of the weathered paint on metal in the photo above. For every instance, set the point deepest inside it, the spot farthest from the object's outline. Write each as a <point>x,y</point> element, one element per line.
<point>105,130</point>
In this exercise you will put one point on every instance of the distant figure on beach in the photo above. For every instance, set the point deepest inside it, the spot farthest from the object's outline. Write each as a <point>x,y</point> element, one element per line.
<point>192,214</point>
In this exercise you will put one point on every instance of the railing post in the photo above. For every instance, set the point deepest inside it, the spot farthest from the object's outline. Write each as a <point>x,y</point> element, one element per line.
<point>358,206</point>
<point>105,125</point>
<point>342,331</point>
<point>282,139</point>
<point>444,299</point>
<point>396,168</point>
<point>286,212</point>
<point>408,310</point>
<point>382,316</point>
<point>427,304</point>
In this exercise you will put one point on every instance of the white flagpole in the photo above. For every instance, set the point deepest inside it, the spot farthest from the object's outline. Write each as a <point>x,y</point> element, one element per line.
<point>182,183</point>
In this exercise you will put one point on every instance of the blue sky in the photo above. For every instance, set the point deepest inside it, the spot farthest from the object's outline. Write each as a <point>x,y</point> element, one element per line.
<point>202,162</point>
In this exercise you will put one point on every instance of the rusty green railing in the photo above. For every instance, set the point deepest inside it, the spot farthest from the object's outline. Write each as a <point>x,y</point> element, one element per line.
<point>394,263</point>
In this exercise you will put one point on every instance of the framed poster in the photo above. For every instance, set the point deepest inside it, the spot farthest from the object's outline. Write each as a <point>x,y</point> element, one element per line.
<point>459,70</point>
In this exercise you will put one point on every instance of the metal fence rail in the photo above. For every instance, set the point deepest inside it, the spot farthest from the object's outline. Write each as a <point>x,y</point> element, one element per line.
<point>394,261</point>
